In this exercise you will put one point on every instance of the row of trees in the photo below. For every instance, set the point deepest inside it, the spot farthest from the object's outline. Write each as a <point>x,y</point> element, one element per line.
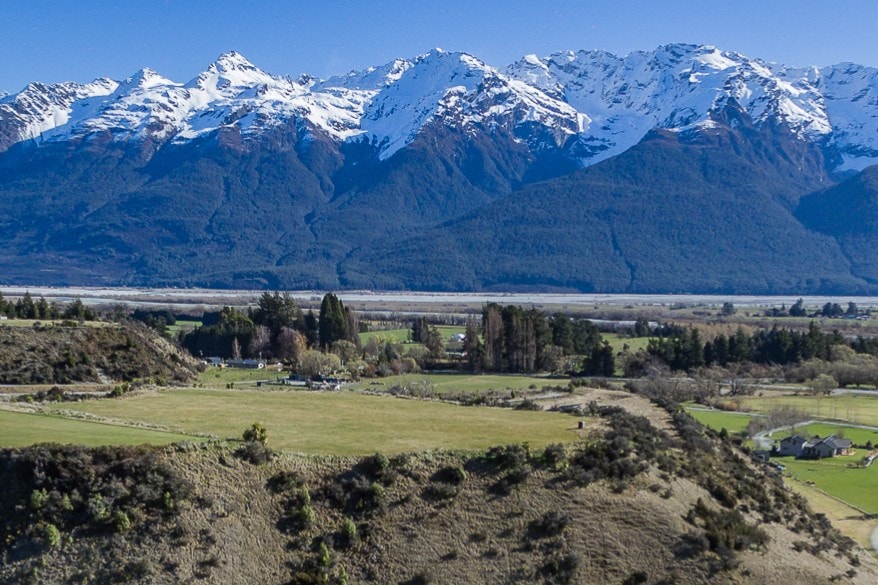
<point>28,308</point>
<point>832,310</point>
<point>428,335</point>
<point>277,327</point>
<point>522,341</point>
<point>686,350</point>
<point>508,339</point>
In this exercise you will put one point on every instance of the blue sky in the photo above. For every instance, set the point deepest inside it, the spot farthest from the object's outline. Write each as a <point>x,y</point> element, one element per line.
<point>61,40</point>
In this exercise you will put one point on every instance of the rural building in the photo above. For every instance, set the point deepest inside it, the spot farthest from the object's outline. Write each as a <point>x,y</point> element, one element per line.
<point>791,446</point>
<point>814,448</point>
<point>831,446</point>
<point>214,361</point>
<point>325,383</point>
<point>246,364</point>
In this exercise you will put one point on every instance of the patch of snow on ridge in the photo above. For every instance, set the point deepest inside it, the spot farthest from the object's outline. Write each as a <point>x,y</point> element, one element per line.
<point>40,108</point>
<point>715,59</point>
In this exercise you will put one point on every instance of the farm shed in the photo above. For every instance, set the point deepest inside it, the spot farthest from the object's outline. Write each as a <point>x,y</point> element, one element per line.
<point>246,364</point>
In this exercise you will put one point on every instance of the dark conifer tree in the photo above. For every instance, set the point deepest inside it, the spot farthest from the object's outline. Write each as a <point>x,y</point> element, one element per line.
<point>312,329</point>
<point>472,348</point>
<point>492,328</point>
<point>333,324</point>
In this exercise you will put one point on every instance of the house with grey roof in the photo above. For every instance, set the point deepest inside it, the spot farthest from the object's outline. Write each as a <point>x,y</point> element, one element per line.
<point>814,448</point>
<point>791,446</point>
<point>831,446</point>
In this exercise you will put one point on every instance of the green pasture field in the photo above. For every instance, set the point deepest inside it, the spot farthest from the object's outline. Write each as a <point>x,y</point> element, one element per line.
<point>454,383</point>
<point>343,423</point>
<point>717,419</point>
<point>448,330</point>
<point>404,334</point>
<point>174,330</point>
<point>844,517</point>
<point>857,435</point>
<point>18,429</point>
<point>618,342</point>
<point>854,485</point>
<point>214,377</point>
<point>858,409</point>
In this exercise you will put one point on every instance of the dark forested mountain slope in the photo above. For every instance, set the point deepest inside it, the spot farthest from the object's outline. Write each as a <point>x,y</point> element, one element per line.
<point>221,211</point>
<point>680,212</point>
<point>849,213</point>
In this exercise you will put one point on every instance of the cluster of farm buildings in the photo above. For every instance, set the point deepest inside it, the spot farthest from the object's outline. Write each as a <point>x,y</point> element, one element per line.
<point>235,363</point>
<point>814,448</point>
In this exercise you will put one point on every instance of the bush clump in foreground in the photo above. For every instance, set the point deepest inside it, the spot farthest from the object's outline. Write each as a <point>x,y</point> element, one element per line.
<point>53,490</point>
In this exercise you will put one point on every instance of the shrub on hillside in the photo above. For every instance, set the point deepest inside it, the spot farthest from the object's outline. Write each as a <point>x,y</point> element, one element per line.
<point>551,524</point>
<point>254,452</point>
<point>92,490</point>
<point>256,432</point>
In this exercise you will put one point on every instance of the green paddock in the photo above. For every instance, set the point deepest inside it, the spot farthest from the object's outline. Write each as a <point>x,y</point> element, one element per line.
<point>340,423</point>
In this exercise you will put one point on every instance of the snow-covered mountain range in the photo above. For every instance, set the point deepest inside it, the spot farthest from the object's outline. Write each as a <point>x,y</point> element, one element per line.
<point>591,104</point>
<point>687,168</point>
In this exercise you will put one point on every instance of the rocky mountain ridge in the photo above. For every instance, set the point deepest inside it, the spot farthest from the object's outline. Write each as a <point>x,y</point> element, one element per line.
<point>593,103</point>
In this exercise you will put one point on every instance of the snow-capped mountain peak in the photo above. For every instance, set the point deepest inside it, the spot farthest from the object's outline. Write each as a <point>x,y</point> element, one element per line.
<point>676,87</point>
<point>593,103</point>
<point>231,72</point>
<point>453,88</point>
<point>145,78</point>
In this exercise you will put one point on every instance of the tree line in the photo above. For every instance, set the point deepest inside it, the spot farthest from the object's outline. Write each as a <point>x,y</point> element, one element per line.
<point>506,339</point>
<point>685,350</point>
<point>276,328</point>
<point>516,340</point>
<point>28,308</point>
<point>829,309</point>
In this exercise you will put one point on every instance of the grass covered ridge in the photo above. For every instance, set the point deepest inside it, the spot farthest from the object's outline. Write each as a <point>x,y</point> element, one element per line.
<point>667,506</point>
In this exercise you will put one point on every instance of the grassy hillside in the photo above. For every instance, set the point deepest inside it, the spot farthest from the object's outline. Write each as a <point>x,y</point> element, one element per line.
<point>634,504</point>
<point>63,355</point>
